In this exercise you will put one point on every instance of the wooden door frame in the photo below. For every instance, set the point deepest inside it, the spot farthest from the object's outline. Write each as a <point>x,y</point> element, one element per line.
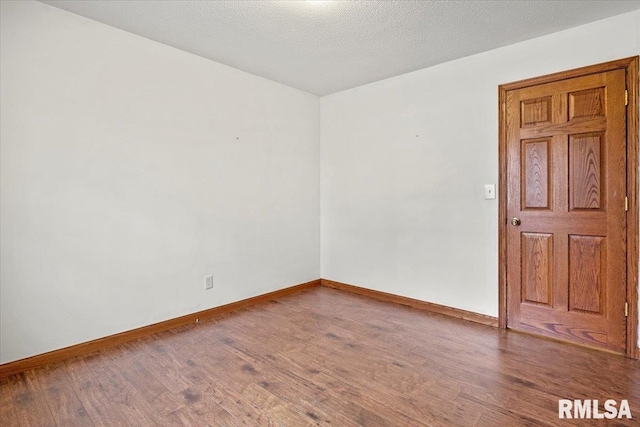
<point>630,65</point>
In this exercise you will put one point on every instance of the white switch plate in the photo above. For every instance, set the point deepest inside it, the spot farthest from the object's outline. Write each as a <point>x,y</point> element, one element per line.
<point>489,191</point>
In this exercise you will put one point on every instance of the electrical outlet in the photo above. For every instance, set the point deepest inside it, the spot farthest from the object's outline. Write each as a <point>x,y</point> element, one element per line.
<point>208,282</point>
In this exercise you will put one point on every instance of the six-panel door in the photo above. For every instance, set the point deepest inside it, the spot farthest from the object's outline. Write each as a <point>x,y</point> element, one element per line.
<point>566,184</point>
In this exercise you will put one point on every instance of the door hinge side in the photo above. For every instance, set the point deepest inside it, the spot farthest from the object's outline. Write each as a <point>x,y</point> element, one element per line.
<point>626,309</point>
<point>626,97</point>
<point>626,204</point>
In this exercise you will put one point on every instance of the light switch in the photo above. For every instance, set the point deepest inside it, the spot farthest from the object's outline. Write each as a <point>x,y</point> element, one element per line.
<point>489,191</point>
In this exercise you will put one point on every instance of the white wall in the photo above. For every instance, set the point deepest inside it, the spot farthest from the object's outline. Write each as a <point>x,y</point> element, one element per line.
<point>130,170</point>
<point>404,162</point>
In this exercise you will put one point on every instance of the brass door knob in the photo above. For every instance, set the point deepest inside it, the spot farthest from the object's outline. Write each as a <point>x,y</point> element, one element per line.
<point>516,221</point>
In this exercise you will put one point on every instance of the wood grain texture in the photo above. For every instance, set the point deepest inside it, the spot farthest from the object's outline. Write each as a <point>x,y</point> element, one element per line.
<point>597,124</point>
<point>11,368</point>
<point>587,271</point>
<point>422,305</point>
<point>66,408</point>
<point>537,270</point>
<point>535,111</point>
<point>325,357</point>
<point>102,411</point>
<point>503,165</point>
<point>30,402</point>
<point>585,171</point>
<point>7,408</point>
<point>535,178</point>
<point>587,103</point>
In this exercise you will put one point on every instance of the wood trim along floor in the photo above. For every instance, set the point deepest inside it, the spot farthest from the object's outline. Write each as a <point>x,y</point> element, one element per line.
<point>54,356</point>
<point>421,305</point>
<point>8,369</point>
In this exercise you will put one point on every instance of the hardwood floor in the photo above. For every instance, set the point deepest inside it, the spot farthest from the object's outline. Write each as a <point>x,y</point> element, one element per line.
<point>323,357</point>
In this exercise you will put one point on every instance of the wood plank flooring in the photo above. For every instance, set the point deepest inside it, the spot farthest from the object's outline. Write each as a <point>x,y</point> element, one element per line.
<point>318,358</point>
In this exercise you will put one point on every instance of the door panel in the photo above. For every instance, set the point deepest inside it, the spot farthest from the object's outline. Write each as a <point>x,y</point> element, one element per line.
<point>536,179</point>
<point>585,174</point>
<point>587,273</point>
<point>566,183</point>
<point>537,274</point>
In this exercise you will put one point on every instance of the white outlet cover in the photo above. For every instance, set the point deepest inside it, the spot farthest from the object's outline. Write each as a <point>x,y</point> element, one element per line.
<point>489,191</point>
<point>208,282</point>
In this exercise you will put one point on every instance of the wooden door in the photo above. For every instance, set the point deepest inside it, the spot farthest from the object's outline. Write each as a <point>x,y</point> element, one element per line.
<point>566,219</point>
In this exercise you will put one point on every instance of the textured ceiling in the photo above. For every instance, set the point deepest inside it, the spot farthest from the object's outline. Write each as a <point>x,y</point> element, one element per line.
<point>328,46</point>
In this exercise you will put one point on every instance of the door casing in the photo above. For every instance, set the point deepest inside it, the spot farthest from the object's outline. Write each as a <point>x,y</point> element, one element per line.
<point>630,65</point>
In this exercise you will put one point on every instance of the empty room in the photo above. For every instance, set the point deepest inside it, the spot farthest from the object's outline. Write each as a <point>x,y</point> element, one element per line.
<point>314,213</point>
